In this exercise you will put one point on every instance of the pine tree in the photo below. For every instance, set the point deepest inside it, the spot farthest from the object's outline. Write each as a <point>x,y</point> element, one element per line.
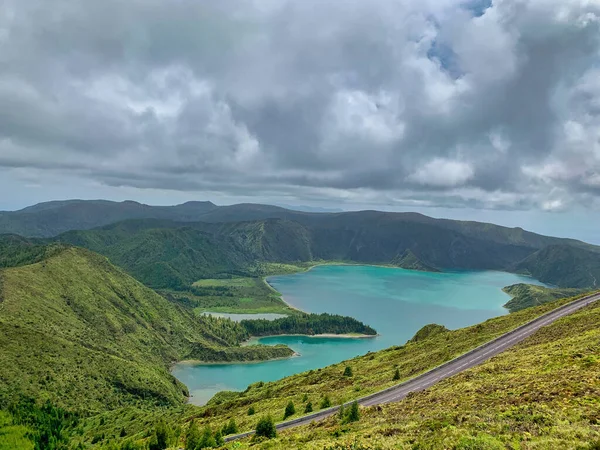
<point>396,375</point>
<point>304,398</point>
<point>308,408</point>
<point>348,371</point>
<point>266,428</point>
<point>251,411</point>
<point>290,410</point>
<point>353,414</point>
<point>192,437</point>
<point>219,441</point>
<point>207,440</point>
<point>326,402</point>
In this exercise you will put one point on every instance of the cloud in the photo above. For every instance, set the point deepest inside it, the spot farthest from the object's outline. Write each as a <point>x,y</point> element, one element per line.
<point>441,172</point>
<point>428,102</point>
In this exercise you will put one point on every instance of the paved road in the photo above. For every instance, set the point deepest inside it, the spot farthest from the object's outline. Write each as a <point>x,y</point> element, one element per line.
<point>448,369</point>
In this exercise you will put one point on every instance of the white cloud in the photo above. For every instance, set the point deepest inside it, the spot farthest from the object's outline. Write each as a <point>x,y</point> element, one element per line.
<point>441,172</point>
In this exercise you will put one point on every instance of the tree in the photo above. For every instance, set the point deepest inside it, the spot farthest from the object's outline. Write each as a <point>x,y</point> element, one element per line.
<point>207,440</point>
<point>161,438</point>
<point>290,410</point>
<point>219,441</point>
<point>230,428</point>
<point>326,402</point>
<point>342,412</point>
<point>308,408</point>
<point>396,375</point>
<point>353,414</point>
<point>251,411</point>
<point>192,437</point>
<point>266,428</point>
<point>348,371</point>
<point>123,433</point>
<point>304,398</point>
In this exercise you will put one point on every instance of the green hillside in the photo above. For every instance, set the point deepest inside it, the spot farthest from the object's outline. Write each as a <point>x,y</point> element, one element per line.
<point>528,295</point>
<point>564,266</point>
<point>78,331</point>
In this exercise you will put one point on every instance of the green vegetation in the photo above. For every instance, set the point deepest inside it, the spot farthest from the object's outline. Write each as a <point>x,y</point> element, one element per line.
<point>309,324</point>
<point>290,410</point>
<point>564,266</point>
<point>428,331</point>
<point>347,371</point>
<point>79,332</point>
<point>528,295</point>
<point>236,294</point>
<point>325,402</point>
<point>266,428</point>
<point>12,436</point>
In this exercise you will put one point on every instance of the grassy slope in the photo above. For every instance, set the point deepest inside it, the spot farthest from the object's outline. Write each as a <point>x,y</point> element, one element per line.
<point>528,295</point>
<point>542,394</point>
<point>77,330</point>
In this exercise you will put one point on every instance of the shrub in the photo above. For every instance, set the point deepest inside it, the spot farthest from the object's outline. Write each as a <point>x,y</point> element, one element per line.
<point>308,408</point>
<point>192,437</point>
<point>207,440</point>
<point>251,411</point>
<point>353,414</point>
<point>230,428</point>
<point>290,410</point>
<point>396,375</point>
<point>348,371</point>
<point>326,402</point>
<point>304,398</point>
<point>266,428</point>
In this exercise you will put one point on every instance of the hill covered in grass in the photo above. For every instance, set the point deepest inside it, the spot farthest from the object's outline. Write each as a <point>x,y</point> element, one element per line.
<point>528,295</point>
<point>76,330</point>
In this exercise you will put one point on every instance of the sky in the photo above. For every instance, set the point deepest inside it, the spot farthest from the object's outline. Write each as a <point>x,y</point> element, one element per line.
<point>481,110</point>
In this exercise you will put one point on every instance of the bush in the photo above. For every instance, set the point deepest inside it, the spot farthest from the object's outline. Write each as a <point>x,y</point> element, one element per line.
<point>266,428</point>
<point>290,410</point>
<point>161,438</point>
<point>304,398</point>
<point>308,408</point>
<point>396,375</point>
<point>326,402</point>
<point>348,371</point>
<point>207,440</point>
<point>353,414</point>
<point>192,437</point>
<point>251,411</point>
<point>230,428</point>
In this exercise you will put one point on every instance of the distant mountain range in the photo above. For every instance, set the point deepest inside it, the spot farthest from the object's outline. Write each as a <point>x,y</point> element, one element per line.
<point>173,246</point>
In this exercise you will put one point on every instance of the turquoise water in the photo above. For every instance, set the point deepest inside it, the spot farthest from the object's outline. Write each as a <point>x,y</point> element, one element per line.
<point>396,302</point>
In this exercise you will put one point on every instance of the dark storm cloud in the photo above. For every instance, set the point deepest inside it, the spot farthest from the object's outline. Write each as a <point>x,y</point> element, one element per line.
<point>437,102</point>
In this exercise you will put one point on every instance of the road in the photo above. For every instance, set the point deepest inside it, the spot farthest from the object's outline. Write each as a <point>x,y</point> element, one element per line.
<point>448,369</point>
